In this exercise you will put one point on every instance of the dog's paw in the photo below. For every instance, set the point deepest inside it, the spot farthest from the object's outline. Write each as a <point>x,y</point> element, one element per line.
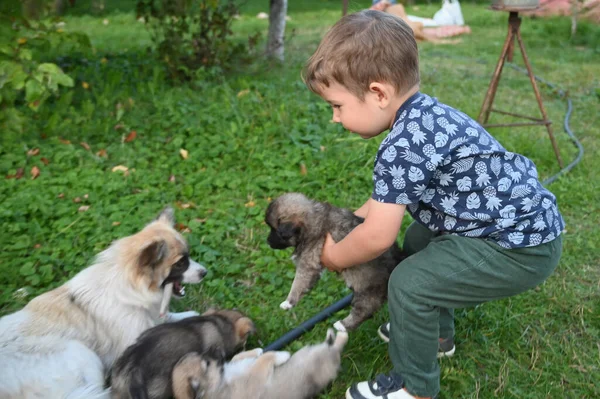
<point>339,326</point>
<point>285,305</point>
<point>281,357</point>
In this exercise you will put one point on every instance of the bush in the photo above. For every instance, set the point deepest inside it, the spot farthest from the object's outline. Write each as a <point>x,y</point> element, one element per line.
<point>193,34</point>
<point>25,77</point>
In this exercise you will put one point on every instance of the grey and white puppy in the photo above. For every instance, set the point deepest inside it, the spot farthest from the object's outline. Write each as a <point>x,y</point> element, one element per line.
<point>145,369</point>
<point>297,221</point>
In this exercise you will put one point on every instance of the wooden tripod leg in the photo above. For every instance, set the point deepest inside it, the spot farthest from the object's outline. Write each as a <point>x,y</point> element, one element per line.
<point>538,96</point>
<point>486,108</point>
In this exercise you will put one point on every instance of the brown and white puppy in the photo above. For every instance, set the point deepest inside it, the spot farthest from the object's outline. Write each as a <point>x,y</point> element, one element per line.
<point>145,369</point>
<point>276,375</point>
<point>62,344</point>
<point>194,374</point>
<point>297,221</point>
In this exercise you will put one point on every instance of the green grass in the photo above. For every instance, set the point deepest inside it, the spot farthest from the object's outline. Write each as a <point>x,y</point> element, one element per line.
<point>246,149</point>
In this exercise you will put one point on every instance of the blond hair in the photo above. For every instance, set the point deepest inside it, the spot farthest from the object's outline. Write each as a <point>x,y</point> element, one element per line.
<point>365,47</point>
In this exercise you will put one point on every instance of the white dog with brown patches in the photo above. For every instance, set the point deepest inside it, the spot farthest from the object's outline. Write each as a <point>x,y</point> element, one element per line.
<point>64,342</point>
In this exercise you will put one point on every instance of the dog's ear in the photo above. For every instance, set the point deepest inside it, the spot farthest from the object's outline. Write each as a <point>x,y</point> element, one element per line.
<point>153,254</point>
<point>244,327</point>
<point>167,215</point>
<point>288,230</point>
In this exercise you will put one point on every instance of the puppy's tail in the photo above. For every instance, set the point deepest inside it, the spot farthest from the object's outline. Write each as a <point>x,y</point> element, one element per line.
<point>90,392</point>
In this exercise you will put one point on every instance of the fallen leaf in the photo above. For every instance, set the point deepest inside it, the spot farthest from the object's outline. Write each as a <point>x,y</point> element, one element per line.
<point>116,223</point>
<point>77,200</point>
<point>182,228</point>
<point>86,196</point>
<point>184,153</point>
<point>131,136</point>
<point>104,60</point>
<point>242,93</point>
<point>35,172</point>
<point>200,220</point>
<point>33,152</point>
<point>85,145</point>
<point>64,141</point>
<point>102,153</point>
<point>20,172</point>
<point>120,168</point>
<point>22,40</point>
<point>37,246</point>
<point>45,160</point>
<point>61,195</point>
<point>85,85</point>
<point>303,170</point>
<point>249,204</point>
<point>83,208</point>
<point>172,178</point>
<point>186,205</point>
<point>322,148</point>
<point>105,21</point>
<point>119,126</point>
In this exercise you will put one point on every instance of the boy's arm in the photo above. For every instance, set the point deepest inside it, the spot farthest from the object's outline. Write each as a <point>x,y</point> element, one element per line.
<point>363,210</point>
<point>368,240</point>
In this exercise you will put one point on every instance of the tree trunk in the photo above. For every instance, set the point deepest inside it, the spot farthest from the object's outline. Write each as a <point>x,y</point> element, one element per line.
<point>277,13</point>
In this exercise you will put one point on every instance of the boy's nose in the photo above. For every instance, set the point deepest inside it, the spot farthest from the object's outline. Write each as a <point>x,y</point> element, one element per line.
<point>336,117</point>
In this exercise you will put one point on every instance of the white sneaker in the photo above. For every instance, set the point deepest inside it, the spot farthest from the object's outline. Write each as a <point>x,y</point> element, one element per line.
<point>383,387</point>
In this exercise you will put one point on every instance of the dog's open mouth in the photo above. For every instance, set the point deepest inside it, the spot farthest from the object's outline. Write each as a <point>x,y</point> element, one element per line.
<point>178,289</point>
<point>170,288</point>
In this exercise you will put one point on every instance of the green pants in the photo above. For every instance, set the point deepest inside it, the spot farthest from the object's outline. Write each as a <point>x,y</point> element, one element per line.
<point>444,272</point>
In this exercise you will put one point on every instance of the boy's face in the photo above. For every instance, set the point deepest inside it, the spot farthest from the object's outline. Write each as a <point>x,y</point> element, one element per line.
<point>365,118</point>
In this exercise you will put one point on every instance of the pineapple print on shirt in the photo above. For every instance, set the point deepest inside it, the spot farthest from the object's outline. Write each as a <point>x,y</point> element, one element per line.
<point>457,179</point>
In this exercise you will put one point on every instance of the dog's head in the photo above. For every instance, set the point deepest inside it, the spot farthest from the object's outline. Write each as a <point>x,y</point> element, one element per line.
<point>159,255</point>
<point>194,375</point>
<point>243,326</point>
<point>287,217</point>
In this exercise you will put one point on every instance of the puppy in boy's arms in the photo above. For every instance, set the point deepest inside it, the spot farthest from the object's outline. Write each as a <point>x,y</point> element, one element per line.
<point>297,221</point>
<point>63,342</point>
<point>145,368</point>
<point>256,375</point>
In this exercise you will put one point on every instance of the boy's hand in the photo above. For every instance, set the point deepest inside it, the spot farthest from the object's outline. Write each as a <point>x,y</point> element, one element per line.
<point>327,253</point>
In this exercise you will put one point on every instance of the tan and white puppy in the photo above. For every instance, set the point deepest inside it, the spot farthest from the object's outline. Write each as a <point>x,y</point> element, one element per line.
<point>64,342</point>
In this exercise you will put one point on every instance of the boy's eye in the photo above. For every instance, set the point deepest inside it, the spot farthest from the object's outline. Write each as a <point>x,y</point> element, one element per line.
<point>336,106</point>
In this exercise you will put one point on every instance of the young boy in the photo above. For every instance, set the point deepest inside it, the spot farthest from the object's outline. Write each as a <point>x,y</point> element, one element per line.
<point>485,228</point>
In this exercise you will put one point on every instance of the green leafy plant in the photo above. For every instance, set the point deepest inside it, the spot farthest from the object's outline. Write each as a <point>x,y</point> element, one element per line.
<point>193,34</point>
<point>25,77</point>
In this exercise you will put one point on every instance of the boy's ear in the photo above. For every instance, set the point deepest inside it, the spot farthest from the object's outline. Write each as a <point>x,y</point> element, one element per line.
<point>383,93</point>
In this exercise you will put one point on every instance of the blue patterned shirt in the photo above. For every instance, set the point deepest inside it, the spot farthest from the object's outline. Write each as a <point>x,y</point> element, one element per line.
<point>456,178</point>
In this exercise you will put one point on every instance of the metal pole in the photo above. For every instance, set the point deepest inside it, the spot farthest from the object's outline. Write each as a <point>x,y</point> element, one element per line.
<point>309,324</point>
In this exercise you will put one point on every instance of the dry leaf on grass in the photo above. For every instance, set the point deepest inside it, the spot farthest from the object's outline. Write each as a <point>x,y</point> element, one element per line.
<point>35,172</point>
<point>184,153</point>
<point>64,141</point>
<point>120,168</point>
<point>172,178</point>
<point>85,145</point>
<point>242,93</point>
<point>131,136</point>
<point>20,172</point>
<point>33,152</point>
<point>249,204</point>
<point>116,223</point>
<point>45,160</point>
<point>303,170</point>
<point>83,208</point>
<point>102,153</point>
